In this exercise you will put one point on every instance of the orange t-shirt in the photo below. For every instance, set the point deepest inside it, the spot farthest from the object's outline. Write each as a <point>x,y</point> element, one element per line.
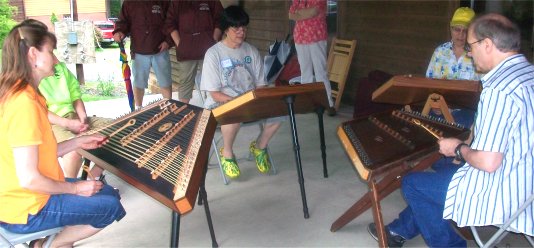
<point>24,122</point>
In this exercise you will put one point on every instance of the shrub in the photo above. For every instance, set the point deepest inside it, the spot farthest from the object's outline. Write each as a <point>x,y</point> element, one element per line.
<point>97,36</point>
<point>115,7</point>
<point>6,19</point>
<point>105,88</point>
<point>53,18</point>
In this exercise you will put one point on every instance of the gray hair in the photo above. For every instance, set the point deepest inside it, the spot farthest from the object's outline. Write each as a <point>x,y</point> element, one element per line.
<point>499,29</point>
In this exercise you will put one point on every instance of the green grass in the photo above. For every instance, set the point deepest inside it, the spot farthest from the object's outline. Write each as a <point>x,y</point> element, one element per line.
<point>91,98</point>
<point>112,45</point>
<point>91,92</point>
<point>108,46</point>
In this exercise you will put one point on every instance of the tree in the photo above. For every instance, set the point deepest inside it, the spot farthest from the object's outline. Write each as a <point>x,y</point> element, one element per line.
<point>6,19</point>
<point>114,8</point>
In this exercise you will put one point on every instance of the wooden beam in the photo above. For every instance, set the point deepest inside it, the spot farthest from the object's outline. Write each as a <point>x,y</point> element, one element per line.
<point>79,67</point>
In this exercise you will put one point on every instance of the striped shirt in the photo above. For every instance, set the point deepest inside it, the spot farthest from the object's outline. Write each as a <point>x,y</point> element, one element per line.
<point>505,124</point>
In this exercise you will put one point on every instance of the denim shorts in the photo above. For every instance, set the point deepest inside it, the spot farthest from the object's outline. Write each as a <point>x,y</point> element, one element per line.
<point>99,211</point>
<point>159,62</point>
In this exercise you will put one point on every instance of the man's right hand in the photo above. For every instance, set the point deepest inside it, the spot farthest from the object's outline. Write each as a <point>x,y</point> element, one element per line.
<point>118,37</point>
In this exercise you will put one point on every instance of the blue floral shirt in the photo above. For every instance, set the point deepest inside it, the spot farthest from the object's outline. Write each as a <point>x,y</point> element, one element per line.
<point>444,65</point>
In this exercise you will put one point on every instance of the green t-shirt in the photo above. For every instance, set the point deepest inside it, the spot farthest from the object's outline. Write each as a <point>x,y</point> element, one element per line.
<point>60,90</point>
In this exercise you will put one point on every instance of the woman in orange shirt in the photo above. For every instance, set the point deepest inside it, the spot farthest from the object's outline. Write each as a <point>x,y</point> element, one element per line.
<point>33,192</point>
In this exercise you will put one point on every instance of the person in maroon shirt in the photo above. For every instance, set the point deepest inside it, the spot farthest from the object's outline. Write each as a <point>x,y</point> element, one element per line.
<point>194,27</point>
<point>143,22</point>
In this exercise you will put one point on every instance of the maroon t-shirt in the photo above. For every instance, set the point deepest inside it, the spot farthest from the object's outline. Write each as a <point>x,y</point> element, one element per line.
<point>195,21</point>
<point>143,21</point>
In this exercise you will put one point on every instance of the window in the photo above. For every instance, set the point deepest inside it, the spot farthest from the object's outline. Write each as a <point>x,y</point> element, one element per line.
<point>331,16</point>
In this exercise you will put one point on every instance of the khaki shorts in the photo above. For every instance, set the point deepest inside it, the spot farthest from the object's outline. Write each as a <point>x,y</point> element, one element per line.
<point>63,133</point>
<point>185,77</point>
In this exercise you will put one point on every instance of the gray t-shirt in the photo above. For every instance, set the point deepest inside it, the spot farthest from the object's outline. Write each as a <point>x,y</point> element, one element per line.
<point>231,71</point>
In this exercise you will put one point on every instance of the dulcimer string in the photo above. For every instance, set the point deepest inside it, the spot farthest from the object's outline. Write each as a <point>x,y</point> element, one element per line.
<point>136,148</point>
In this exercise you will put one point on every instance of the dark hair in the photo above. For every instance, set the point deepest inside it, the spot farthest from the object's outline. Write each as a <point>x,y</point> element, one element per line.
<point>16,71</point>
<point>499,29</point>
<point>33,22</point>
<point>233,16</point>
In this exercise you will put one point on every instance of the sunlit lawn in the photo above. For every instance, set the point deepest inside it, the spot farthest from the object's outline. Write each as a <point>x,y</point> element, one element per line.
<point>91,98</point>
<point>92,92</point>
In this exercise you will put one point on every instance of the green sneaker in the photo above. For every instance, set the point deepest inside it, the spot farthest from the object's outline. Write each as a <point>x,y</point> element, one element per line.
<point>229,166</point>
<point>262,158</point>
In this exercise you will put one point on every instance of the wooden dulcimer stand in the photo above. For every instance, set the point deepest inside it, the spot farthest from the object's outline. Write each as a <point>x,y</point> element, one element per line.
<point>385,147</point>
<point>437,101</point>
<point>408,89</point>
<point>161,150</point>
<point>280,101</point>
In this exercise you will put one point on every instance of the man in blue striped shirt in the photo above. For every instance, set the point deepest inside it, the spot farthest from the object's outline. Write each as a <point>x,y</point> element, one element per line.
<point>499,164</point>
<point>497,176</point>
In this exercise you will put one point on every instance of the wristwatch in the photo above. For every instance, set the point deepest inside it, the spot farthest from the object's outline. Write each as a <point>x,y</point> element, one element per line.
<point>458,153</point>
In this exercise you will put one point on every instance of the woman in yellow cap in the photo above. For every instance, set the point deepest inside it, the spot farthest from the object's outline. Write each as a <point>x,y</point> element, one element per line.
<point>450,60</point>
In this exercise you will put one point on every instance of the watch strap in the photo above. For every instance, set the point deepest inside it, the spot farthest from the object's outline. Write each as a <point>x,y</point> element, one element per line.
<point>458,152</point>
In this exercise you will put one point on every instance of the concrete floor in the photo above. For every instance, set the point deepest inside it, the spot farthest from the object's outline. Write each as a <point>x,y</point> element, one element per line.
<point>258,210</point>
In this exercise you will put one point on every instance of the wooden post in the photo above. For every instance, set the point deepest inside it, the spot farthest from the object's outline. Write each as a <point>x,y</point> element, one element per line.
<point>79,67</point>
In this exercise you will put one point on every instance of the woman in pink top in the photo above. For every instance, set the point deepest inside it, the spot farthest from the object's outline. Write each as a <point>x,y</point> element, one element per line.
<point>310,36</point>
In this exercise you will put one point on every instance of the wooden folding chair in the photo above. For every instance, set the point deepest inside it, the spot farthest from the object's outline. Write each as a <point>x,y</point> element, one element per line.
<point>339,60</point>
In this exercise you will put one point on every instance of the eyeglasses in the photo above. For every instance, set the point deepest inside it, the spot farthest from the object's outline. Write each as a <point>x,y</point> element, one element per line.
<point>459,29</point>
<point>469,48</point>
<point>240,28</point>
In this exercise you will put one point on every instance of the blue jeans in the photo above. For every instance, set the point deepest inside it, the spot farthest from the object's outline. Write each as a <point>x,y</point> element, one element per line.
<point>98,211</point>
<point>425,194</point>
<point>465,117</point>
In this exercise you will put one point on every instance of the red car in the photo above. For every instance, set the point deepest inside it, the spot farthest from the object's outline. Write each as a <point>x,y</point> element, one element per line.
<point>106,28</point>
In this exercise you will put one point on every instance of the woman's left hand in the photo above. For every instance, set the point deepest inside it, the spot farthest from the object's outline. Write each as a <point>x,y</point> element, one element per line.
<point>91,141</point>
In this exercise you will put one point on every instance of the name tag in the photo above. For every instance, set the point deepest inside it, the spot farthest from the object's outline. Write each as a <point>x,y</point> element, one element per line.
<point>227,63</point>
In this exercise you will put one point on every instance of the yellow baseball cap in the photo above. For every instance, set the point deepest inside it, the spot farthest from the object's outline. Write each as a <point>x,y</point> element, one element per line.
<point>462,16</point>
